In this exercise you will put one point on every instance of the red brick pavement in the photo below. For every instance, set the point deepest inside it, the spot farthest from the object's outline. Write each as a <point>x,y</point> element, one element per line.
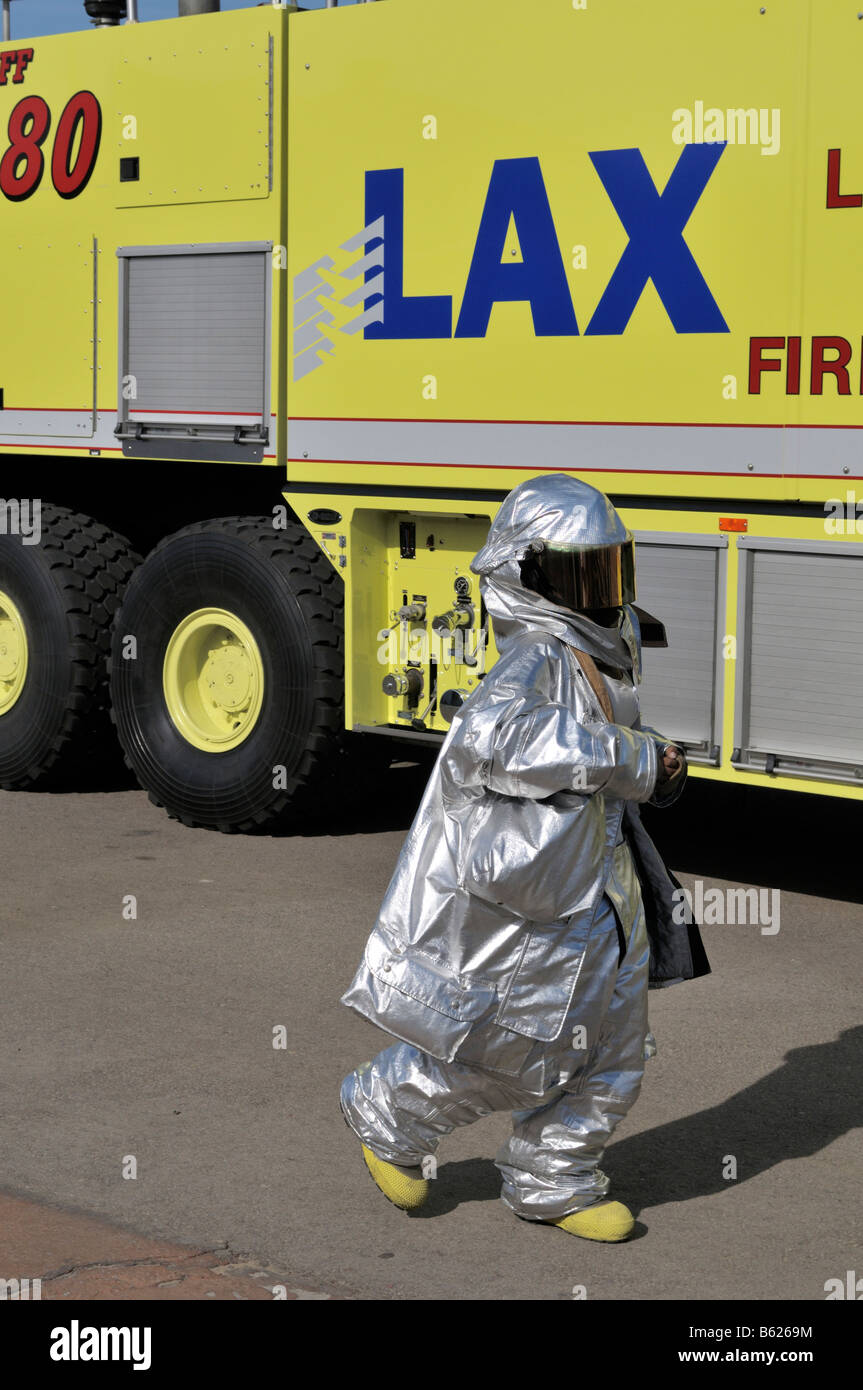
<point>81,1257</point>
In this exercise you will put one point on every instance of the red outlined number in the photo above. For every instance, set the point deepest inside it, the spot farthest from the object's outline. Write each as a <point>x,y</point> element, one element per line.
<point>83,114</point>
<point>76,145</point>
<point>25,148</point>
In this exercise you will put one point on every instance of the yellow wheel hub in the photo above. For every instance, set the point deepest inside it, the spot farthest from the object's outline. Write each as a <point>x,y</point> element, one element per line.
<point>213,680</point>
<point>13,653</point>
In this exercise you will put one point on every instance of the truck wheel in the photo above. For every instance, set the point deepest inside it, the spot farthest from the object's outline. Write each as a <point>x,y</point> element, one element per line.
<point>58,598</point>
<point>227,673</point>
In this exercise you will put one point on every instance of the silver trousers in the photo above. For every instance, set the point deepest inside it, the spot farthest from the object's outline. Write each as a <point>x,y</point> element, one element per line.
<point>566,1098</point>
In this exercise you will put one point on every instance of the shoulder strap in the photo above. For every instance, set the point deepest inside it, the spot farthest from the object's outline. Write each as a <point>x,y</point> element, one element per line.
<point>597,684</point>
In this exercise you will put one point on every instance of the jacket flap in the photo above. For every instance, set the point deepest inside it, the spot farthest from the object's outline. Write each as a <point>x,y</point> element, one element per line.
<point>429,982</point>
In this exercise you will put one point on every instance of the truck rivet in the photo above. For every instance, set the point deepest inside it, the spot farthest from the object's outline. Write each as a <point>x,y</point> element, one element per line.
<point>750,466</point>
<point>846,469</point>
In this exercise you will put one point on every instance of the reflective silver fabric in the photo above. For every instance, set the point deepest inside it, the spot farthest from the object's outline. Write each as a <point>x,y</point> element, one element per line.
<point>560,509</point>
<point>510,955</point>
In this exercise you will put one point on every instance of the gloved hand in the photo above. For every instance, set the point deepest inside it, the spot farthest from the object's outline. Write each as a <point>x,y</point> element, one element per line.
<point>672,774</point>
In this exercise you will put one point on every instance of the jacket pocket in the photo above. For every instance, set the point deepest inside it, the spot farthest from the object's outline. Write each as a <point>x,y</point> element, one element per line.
<point>422,1000</point>
<point>496,1049</point>
<point>529,856</point>
<point>540,989</point>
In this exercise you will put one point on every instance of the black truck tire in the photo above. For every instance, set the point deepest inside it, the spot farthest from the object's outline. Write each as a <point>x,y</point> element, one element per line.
<point>58,599</point>
<point>285,600</point>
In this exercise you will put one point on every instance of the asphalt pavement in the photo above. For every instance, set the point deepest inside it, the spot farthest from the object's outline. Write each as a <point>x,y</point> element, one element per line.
<point>147,968</point>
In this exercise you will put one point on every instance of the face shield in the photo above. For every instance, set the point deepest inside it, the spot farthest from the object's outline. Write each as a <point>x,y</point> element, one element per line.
<point>581,577</point>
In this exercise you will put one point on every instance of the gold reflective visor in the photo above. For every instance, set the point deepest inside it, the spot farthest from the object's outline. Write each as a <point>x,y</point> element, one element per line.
<point>584,577</point>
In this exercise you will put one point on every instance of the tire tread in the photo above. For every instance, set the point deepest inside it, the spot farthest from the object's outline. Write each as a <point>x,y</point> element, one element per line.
<point>90,565</point>
<point>319,592</point>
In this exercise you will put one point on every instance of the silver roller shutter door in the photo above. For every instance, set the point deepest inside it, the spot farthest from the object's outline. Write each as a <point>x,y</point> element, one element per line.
<point>196,332</point>
<point>681,584</point>
<point>803,671</point>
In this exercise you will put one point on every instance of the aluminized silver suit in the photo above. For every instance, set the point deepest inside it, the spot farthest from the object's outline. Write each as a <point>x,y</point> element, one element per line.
<point>510,956</point>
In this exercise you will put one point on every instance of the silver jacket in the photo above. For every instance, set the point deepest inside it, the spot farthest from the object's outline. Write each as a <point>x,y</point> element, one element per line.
<point>490,907</point>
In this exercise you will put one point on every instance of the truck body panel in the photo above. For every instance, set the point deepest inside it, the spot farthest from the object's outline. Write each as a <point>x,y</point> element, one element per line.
<point>411,254</point>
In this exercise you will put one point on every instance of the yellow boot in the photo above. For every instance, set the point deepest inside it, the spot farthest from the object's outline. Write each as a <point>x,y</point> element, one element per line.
<point>397,1184</point>
<point>608,1221</point>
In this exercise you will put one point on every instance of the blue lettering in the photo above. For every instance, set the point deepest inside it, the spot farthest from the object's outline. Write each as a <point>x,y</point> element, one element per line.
<point>517,190</point>
<point>656,249</point>
<point>405,316</point>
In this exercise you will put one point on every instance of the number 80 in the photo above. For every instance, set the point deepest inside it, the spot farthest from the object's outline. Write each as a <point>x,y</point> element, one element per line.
<point>23,164</point>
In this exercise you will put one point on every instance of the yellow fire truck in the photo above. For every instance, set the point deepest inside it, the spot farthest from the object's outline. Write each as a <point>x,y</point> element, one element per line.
<point>291,299</point>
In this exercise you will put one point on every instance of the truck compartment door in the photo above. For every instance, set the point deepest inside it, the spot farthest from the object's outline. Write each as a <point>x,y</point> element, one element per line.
<point>195,351</point>
<point>681,579</point>
<point>48,377</point>
<point>800,658</point>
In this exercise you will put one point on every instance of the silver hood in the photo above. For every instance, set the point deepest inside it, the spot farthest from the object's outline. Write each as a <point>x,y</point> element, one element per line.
<point>558,509</point>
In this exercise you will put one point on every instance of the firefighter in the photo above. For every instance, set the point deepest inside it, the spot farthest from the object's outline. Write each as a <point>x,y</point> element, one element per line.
<point>511,955</point>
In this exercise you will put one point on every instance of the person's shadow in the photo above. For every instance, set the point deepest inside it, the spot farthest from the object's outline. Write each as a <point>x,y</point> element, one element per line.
<point>801,1107</point>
